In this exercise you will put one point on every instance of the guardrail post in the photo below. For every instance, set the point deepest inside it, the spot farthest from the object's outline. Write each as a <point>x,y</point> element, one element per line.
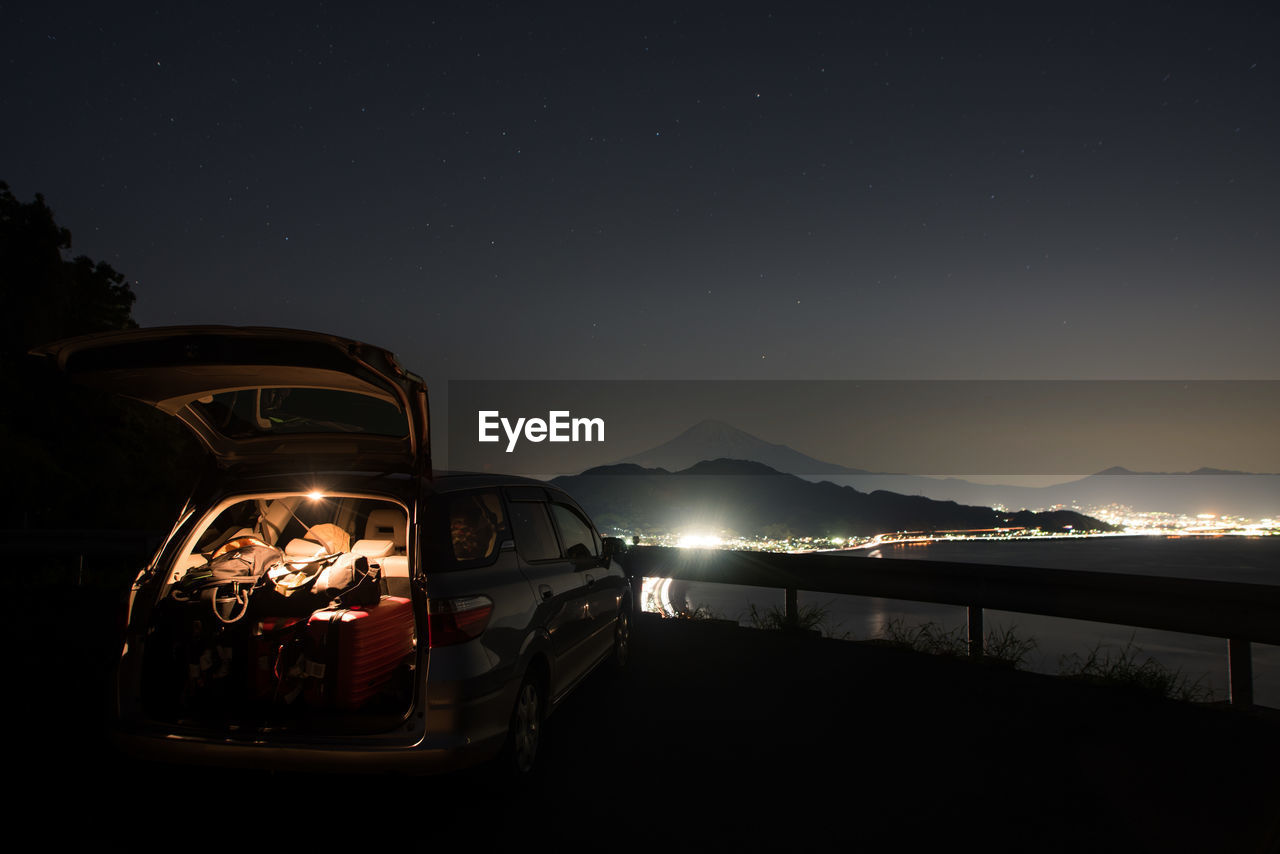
<point>1240,671</point>
<point>975,631</point>
<point>791,610</point>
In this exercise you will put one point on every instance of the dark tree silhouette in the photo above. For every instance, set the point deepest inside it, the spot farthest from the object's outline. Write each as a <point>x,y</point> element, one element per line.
<point>73,457</point>
<point>47,297</point>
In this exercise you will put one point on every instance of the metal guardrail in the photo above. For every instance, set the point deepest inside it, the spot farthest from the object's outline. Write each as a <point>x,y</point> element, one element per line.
<point>1238,612</point>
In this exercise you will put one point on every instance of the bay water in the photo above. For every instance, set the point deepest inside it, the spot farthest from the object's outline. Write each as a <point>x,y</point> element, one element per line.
<point>1059,644</point>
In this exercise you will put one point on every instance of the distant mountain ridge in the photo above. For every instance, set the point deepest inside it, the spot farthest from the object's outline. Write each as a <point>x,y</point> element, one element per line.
<point>1205,490</point>
<point>1256,496</point>
<point>1202,470</point>
<point>712,440</point>
<point>744,497</point>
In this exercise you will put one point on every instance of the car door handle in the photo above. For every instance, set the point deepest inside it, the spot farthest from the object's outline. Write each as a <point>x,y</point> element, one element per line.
<point>545,591</point>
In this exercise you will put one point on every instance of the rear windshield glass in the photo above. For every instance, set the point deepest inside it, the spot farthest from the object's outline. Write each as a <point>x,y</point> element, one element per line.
<point>257,412</point>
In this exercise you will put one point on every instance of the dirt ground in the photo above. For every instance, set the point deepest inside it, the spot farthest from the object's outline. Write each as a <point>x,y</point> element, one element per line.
<point>718,737</point>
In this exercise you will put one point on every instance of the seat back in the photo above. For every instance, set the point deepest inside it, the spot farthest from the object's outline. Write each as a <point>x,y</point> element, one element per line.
<point>384,543</point>
<point>387,524</point>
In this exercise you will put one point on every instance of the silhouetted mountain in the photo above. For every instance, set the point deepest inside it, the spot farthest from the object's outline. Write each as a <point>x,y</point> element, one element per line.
<point>1119,470</point>
<point>710,440</point>
<point>1205,490</point>
<point>728,466</point>
<point>746,497</point>
<point>624,469</point>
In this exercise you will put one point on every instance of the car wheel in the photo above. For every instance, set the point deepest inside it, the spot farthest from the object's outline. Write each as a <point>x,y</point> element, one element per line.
<point>622,640</point>
<point>526,728</point>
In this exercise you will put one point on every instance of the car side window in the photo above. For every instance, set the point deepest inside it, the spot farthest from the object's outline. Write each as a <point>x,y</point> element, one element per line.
<point>578,538</point>
<point>535,539</point>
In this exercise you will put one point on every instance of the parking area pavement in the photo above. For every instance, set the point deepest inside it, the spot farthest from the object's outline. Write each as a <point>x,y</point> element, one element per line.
<point>761,735</point>
<point>740,738</point>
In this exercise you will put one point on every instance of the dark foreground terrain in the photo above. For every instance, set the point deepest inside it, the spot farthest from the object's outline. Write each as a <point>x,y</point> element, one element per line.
<point>720,738</point>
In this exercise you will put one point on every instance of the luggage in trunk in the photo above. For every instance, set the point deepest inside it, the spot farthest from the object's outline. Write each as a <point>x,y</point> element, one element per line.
<point>272,662</point>
<point>360,650</point>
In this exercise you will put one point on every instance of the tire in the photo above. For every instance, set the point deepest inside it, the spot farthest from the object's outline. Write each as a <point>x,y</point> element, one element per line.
<point>621,657</point>
<point>525,733</point>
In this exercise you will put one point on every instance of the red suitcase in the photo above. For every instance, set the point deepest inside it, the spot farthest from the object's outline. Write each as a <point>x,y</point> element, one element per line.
<point>359,648</point>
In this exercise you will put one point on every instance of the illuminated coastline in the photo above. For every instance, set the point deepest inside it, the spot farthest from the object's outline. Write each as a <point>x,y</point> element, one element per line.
<point>1130,522</point>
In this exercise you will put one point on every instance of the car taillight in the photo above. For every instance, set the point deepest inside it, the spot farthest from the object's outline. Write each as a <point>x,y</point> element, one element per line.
<point>451,621</point>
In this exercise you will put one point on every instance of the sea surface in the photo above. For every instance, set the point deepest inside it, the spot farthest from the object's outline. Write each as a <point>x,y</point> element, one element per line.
<point>1059,643</point>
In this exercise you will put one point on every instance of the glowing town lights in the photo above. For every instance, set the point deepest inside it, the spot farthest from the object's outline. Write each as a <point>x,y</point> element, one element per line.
<point>1128,522</point>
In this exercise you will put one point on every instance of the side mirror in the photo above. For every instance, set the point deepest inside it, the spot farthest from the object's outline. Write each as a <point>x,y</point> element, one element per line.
<point>611,548</point>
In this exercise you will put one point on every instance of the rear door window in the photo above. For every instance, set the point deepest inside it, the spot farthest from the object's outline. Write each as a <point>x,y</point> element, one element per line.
<point>576,535</point>
<point>535,539</point>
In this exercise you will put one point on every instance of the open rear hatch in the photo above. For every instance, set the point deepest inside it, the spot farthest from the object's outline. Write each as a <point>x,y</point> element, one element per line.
<point>265,397</point>
<point>251,622</point>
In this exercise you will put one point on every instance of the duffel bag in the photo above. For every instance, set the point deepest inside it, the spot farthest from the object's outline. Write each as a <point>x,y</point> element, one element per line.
<point>350,582</point>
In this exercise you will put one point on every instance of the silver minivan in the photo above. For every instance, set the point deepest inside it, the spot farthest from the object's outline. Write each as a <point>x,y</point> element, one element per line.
<point>325,599</point>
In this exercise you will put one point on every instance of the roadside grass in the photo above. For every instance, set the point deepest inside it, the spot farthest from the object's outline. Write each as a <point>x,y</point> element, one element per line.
<point>1105,664</point>
<point>808,618</point>
<point>928,637</point>
<point>1006,646</point>
<point>1129,666</point>
<point>1002,646</point>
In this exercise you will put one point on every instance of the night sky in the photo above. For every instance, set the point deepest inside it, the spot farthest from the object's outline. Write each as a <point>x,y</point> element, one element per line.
<point>653,191</point>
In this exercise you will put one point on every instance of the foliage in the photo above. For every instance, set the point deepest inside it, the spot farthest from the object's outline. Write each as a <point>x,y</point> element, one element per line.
<point>808,618</point>
<point>1130,666</point>
<point>75,458</point>
<point>47,297</point>
<point>1003,646</point>
<point>928,637</point>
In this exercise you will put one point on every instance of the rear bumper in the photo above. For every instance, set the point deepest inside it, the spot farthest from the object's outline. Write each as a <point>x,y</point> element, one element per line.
<point>437,755</point>
<point>456,732</point>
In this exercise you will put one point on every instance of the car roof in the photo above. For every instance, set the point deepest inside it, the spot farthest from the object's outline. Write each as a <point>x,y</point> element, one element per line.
<point>399,484</point>
<point>452,481</point>
<point>445,482</point>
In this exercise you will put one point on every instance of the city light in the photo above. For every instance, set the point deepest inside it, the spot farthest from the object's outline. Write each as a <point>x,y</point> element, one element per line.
<point>699,541</point>
<point>1128,521</point>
